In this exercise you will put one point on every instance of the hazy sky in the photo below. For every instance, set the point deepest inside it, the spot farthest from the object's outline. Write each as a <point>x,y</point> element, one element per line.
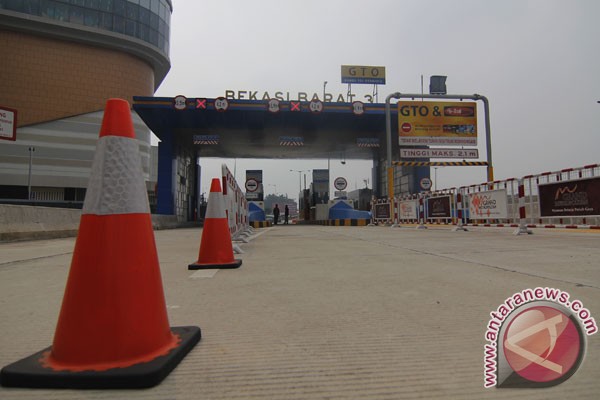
<point>538,63</point>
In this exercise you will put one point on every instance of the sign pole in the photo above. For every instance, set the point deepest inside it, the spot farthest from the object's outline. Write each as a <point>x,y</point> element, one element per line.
<point>388,136</point>
<point>488,139</point>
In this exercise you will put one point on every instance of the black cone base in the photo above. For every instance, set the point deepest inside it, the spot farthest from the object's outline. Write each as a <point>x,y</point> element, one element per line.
<point>231,265</point>
<point>29,373</point>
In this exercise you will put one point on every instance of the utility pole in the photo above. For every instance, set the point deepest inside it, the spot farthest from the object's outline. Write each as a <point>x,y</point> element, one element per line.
<point>31,150</point>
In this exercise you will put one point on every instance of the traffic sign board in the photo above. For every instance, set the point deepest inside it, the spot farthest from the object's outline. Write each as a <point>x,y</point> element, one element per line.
<point>221,104</point>
<point>316,106</point>
<point>273,105</point>
<point>340,183</point>
<point>358,108</point>
<point>251,185</point>
<point>425,183</point>
<point>179,103</point>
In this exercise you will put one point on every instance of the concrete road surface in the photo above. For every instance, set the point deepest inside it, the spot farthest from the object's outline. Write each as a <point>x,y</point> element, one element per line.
<point>321,312</point>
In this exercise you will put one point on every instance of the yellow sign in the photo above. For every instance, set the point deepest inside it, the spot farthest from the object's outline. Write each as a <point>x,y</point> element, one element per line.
<point>437,123</point>
<point>363,74</point>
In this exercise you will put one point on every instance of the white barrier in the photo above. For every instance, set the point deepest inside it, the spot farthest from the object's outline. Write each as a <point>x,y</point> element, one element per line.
<point>236,205</point>
<point>570,198</point>
<point>532,183</point>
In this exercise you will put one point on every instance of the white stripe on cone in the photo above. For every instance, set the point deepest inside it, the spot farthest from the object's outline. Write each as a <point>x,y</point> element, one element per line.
<point>216,206</point>
<point>116,184</point>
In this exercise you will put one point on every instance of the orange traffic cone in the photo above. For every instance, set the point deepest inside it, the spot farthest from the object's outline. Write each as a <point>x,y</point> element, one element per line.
<point>113,330</point>
<point>216,250</point>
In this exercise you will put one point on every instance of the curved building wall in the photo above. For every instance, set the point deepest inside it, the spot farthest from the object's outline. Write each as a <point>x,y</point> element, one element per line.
<point>47,79</point>
<point>61,60</point>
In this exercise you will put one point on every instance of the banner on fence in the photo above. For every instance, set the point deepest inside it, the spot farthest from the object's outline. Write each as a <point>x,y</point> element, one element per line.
<point>439,207</point>
<point>383,211</point>
<point>408,209</point>
<point>570,198</point>
<point>488,205</point>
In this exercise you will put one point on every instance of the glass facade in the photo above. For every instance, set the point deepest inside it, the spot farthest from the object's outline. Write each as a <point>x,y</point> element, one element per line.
<point>147,20</point>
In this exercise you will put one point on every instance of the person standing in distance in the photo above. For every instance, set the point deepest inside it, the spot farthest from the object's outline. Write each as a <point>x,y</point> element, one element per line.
<point>286,213</point>
<point>276,214</point>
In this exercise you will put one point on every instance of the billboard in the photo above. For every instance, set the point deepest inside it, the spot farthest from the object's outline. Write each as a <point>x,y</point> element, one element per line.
<point>570,198</point>
<point>363,74</point>
<point>439,207</point>
<point>491,204</point>
<point>437,123</point>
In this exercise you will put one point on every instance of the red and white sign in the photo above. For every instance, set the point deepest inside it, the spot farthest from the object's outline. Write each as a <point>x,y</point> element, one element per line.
<point>489,204</point>
<point>251,185</point>
<point>8,124</point>
<point>425,183</point>
<point>340,183</point>
<point>408,209</point>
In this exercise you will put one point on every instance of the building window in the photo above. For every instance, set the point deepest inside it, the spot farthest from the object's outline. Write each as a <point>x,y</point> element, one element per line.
<point>76,15</point>
<point>91,18</point>
<point>148,20</point>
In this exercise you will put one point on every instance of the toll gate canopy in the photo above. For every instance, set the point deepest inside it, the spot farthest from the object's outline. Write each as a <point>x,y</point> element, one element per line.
<point>196,128</point>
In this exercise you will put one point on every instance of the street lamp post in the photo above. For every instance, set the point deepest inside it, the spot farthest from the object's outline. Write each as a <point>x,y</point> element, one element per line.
<point>300,184</point>
<point>31,150</point>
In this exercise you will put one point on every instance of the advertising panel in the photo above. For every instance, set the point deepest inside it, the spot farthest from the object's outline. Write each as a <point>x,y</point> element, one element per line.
<point>570,198</point>
<point>488,205</point>
<point>321,180</point>
<point>383,211</point>
<point>437,123</point>
<point>363,74</point>
<point>439,207</point>
<point>320,186</point>
<point>408,209</point>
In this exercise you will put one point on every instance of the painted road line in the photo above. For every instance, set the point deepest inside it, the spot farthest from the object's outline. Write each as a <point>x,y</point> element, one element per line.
<point>203,273</point>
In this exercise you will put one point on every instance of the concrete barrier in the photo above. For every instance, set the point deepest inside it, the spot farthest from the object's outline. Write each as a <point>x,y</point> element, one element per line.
<point>33,222</point>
